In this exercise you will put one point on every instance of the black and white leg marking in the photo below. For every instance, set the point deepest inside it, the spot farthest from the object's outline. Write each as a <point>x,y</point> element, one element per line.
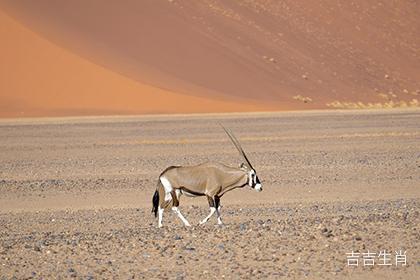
<point>160,216</point>
<point>218,206</point>
<point>213,209</point>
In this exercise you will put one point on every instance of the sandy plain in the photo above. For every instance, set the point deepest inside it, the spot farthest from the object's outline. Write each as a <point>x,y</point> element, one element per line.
<point>75,196</point>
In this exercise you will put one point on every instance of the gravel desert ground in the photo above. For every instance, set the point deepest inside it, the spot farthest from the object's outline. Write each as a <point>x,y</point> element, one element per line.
<point>75,197</point>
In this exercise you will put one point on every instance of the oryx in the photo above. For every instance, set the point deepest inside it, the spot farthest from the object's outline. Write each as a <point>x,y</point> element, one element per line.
<point>212,180</point>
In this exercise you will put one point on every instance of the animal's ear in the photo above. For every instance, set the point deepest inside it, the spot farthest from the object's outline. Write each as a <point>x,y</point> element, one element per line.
<point>243,166</point>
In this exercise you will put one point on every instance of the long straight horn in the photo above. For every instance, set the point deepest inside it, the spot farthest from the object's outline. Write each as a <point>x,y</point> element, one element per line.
<point>237,145</point>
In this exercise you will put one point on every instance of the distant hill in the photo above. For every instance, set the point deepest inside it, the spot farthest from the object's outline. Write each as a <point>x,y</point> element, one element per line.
<point>267,55</point>
<point>38,79</point>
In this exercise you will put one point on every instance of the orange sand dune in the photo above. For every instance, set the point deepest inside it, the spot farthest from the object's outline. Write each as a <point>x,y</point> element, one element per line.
<point>38,78</point>
<point>300,54</point>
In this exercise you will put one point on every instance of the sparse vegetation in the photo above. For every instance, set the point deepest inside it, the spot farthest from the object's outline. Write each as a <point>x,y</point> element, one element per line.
<point>377,105</point>
<point>304,99</point>
<point>383,95</point>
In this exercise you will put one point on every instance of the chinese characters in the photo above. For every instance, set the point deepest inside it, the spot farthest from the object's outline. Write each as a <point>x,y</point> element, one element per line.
<point>382,258</point>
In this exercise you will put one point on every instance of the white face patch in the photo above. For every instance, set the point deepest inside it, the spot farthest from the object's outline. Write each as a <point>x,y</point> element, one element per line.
<point>252,181</point>
<point>251,178</point>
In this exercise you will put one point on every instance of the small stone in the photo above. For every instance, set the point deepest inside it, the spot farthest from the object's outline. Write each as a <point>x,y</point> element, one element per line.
<point>71,270</point>
<point>326,232</point>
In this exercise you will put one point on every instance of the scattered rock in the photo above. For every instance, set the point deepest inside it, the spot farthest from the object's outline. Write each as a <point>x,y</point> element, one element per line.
<point>326,232</point>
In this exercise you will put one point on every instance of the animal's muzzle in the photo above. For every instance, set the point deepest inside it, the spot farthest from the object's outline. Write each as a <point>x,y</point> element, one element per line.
<point>258,187</point>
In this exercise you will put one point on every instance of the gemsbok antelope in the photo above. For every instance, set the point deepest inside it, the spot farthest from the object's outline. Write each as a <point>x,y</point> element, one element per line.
<point>212,180</point>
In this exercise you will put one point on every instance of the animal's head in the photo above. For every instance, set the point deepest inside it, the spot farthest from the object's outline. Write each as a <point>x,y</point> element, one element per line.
<point>253,180</point>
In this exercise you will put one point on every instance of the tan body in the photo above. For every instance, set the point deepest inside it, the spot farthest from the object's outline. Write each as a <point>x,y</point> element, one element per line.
<point>208,179</point>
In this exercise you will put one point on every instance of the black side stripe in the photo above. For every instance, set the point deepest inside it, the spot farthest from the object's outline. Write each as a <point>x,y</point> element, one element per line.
<point>191,192</point>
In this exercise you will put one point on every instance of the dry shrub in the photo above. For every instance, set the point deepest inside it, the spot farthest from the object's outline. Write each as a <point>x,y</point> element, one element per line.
<point>383,95</point>
<point>304,99</point>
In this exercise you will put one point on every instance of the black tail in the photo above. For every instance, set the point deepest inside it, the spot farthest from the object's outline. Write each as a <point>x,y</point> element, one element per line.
<point>155,202</point>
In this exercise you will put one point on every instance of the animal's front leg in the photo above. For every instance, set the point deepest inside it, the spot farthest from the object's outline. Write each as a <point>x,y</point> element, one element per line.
<point>218,206</point>
<point>212,210</point>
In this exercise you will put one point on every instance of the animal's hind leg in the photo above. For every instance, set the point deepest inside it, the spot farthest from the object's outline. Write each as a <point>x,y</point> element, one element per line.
<point>212,209</point>
<point>160,216</point>
<point>218,206</point>
<point>175,199</point>
<point>162,205</point>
